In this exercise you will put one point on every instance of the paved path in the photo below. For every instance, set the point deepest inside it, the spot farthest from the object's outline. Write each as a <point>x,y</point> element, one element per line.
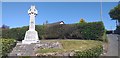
<point>113,45</point>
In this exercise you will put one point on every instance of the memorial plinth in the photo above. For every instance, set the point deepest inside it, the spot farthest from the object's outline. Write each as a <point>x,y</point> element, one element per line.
<point>31,35</point>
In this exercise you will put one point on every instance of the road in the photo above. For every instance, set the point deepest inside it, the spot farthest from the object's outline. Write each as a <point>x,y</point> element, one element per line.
<point>119,46</point>
<point>113,45</point>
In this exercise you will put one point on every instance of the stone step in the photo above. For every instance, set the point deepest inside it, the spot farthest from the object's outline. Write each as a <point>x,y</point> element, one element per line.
<point>23,50</point>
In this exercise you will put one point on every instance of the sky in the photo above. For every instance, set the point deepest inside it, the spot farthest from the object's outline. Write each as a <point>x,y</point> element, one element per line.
<point>14,14</point>
<point>59,0</point>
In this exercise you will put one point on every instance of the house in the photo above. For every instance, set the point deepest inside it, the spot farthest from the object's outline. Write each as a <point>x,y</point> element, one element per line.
<point>56,23</point>
<point>60,22</point>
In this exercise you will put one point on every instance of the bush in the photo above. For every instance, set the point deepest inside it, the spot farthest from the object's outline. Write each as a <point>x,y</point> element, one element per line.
<point>7,45</point>
<point>90,53</point>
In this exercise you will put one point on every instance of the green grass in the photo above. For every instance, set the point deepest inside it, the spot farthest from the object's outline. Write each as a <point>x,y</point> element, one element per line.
<point>70,45</point>
<point>105,39</point>
<point>50,50</point>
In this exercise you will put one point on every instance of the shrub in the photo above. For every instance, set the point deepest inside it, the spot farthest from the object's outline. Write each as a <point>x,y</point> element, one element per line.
<point>90,53</point>
<point>7,45</point>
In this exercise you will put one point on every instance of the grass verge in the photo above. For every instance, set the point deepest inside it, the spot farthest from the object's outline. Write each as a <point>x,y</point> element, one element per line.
<point>70,45</point>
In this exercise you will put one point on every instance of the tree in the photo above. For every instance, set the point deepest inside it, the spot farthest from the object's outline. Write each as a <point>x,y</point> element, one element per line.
<point>115,13</point>
<point>119,2</point>
<point>5,26</point>
<point>82,21</point>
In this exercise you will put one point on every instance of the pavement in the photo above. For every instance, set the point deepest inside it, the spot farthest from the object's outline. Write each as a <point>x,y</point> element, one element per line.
<point>113,45</point>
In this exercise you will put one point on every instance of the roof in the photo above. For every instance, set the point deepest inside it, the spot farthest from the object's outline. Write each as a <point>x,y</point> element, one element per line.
<point>56,23</point>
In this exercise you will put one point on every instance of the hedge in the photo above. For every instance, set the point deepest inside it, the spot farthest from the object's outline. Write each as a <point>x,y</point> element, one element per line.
<point>92,31</point>
<point>88,31</point>
<point>15,33</point>
<point>7,46</point>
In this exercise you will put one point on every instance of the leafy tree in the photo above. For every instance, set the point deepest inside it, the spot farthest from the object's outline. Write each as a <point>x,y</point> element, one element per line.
<point>5,26</point>
<point>115,13</point>
<point>82,21</point>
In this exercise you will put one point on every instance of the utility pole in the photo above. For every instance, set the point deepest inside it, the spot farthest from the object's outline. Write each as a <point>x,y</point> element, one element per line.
<point>101,10</point>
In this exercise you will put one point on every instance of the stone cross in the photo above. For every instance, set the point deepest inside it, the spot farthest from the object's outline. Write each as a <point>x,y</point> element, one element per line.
<point>31,35</point>
<point>32,13</point>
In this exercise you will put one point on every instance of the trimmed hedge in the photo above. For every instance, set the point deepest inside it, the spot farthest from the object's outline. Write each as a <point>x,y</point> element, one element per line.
<point>94,52</point>
<point>88,31</point>
<point>15,33</point>
<point>7,45</point>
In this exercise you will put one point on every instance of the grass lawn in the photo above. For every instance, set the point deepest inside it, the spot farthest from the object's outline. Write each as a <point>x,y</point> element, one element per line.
<point>71,45</point>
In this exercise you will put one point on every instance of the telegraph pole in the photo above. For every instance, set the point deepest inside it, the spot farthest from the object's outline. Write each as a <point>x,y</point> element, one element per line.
<point>101,10</point>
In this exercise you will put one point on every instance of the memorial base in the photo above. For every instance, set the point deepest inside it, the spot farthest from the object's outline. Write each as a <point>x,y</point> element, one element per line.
<point>31,36</point>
